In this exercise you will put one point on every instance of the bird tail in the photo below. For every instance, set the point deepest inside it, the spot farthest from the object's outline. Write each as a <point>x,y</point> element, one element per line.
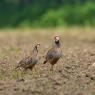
<point>16,67</point>
<point>45,62</point>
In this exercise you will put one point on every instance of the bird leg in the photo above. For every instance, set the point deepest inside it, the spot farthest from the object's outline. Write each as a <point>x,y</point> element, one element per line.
<point>20,74</point>
<point>35,70</point>
<point>23,72</point>
<point>51,68</point>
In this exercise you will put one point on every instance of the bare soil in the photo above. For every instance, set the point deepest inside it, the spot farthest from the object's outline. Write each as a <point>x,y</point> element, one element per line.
<point>74,74</point>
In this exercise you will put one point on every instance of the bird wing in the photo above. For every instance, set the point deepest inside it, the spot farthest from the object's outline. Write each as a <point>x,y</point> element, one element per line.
<point>54,53</point>
<point>50,54</point>
<point>25,61</point>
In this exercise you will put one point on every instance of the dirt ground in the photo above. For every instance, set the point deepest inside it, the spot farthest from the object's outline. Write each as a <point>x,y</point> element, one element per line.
<point>74,74</point>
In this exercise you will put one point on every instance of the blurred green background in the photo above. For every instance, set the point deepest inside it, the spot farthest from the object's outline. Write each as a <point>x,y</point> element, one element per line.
<point>46,13</point>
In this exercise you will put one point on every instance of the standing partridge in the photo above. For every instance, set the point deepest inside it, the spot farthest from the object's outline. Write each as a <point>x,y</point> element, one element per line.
<point>54,54</point>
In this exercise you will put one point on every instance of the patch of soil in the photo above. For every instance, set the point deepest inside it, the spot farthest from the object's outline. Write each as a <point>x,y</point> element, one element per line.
<point>74,74</point>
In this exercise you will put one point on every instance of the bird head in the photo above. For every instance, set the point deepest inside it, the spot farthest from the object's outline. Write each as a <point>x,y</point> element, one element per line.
<point>38,45</point>
<point>35,48</point>
<point>56,38</point>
